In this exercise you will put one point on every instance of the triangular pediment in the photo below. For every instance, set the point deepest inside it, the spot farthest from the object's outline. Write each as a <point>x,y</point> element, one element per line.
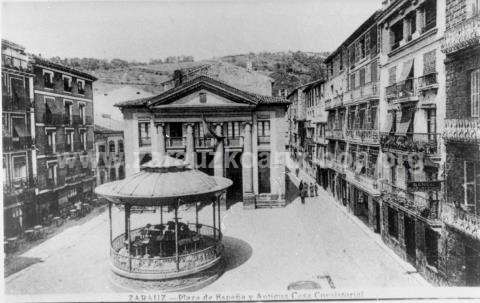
<point>203,91</point>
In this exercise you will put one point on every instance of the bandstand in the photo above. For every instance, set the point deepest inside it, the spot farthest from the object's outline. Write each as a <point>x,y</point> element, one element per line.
<point>165,250</point>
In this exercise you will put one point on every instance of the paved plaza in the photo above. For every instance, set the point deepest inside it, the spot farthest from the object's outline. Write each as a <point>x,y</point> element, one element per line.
<point>266,249</point>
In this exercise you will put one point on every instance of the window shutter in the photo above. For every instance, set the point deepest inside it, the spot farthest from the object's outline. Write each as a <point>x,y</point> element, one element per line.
<point>475,93</point>
<point>429,62</point>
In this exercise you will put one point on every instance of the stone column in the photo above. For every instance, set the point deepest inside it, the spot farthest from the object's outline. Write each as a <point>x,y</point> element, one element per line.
<point>132,148</point>
<point>190,151</point>
<point>161,138</point>
<point>247,167</point>
<point>219,152</point>
<point>154,140</point>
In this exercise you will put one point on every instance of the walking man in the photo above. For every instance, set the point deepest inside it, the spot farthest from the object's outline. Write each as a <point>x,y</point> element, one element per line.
<point>316,190</point>
<point>302,190</point>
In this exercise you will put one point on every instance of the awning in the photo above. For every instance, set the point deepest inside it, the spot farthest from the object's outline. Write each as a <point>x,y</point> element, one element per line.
<point>402,128</point>
<point>54,107</point>
<point>21,128</point>
<point>407,68</point>
<point>428,164</point>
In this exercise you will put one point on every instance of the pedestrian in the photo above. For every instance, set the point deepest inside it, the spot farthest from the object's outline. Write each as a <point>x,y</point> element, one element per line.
<point>302,190</point>
<point>297,170</point>
<point>312,190</point>
<point>316,190</point>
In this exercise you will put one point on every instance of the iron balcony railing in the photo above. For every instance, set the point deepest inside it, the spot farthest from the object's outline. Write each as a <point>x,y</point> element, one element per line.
<point>420,205</point>
<point>263,139</point>
<point>462,220</point>
<point>410,142</point>
<point>201,142</point>
<point>175,142</point>
<point>144,141</point>
<point>17,143</point>
<point>462,130</point>
<point>363,135</point>
<point>18,185</point>
<point>427,81</point>
<point>466,34</point>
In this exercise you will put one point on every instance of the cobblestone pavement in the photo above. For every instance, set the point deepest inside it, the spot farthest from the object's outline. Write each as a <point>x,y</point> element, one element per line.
<point>271,248</point>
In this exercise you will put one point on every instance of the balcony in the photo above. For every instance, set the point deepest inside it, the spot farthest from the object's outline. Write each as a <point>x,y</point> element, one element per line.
<point>371,136</point>
<point>410,142</point>
<point>336,134</point>
<point>49,84</point>
<point>462,36</point>
<point>18,185</point>
<point>201,142</point>
<point>362,93</point>
<point>67,88</point>
<point>77,120</point>
<point>367,182</point>
<point>334,102</point>
<point>175,142</point>
<point>81,91</point>
<point>234,142</point>
<point>144,141</point>
<point>16,63</point>
<point>427,82</point>
<point>420,206</point>
<point>52,119</point>
<point>403,91</point>
<point>462,130</point>
<point>16,143</point>
<point>263,140</point>
<point>462,220</point>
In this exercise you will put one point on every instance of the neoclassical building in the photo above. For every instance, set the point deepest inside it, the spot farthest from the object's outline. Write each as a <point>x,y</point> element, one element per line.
<point>217,128</point>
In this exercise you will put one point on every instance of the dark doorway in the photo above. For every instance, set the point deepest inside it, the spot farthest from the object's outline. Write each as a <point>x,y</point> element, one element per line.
<point>410,239</point>
<point>264,172</point>
<point>472,266</point>
<point>377,217</point>
<point>176,130</point>
<point>233,171</point>
<point>204,162</point>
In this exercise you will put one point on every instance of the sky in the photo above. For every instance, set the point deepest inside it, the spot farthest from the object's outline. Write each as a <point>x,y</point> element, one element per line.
<point>135,30</point>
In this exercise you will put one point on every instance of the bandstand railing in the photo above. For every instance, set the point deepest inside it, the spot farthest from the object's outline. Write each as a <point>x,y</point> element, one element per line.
<point>167,266</point>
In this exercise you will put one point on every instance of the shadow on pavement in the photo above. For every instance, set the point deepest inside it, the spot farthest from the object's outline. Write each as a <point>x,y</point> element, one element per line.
<point>291,191</point>
<point>236,252</point>
<point>19,264</point>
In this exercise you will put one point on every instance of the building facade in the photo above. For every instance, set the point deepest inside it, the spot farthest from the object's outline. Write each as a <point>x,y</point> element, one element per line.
<point>413,94</point>
<point>63,101</point>
<point>110,157</point>
<point>218,129</point>
<point>461,212</point>
<point>18,137</point>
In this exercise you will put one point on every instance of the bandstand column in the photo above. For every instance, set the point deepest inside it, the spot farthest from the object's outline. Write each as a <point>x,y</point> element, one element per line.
<point>128,235</point>
<point>154,137</point>
<point>214,224</point>
<point>110,220</point>
<point>176,237</point>
<point>190,150</point>
<point>219,198</point>
<point>247,167</point>
<point>219,152</point>
<point>196,216</point>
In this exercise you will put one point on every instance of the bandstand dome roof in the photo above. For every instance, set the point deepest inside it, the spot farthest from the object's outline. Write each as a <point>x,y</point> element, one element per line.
<point>164,181</point>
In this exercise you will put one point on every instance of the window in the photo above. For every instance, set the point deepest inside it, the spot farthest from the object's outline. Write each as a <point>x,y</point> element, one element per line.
<point>392,75</point>
<point>83,139</point>
<point>352,81</point>
<point>373,117</point>
<point>19,167</point>
<point>143,133</point>
<point>111,146</point>
<point>429,62</point>
<point>431,124</point>
<point>48,79</point>
<point>361,47</point>
<point>411,25</point>
<point>233,129</point>
<point>18,89</point>
<point>121,172</point>
<point>471,184</point>
<point>67,83</point>
<point>475,93</point>
<point>203,98</point>
<point>263,128</point>
<point>392,222</point>
<point>69,139</point>
<point>81,86</point>
<point>51,140</point>
<point>430,13</point>
<point>52,174</point>
<point>396,35</point>
<point>101,148</point>
<point>120,146</point>
<point>362,76</point>
<point>68,112</point>
<point>373,71</point>
<point>81,108</point>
